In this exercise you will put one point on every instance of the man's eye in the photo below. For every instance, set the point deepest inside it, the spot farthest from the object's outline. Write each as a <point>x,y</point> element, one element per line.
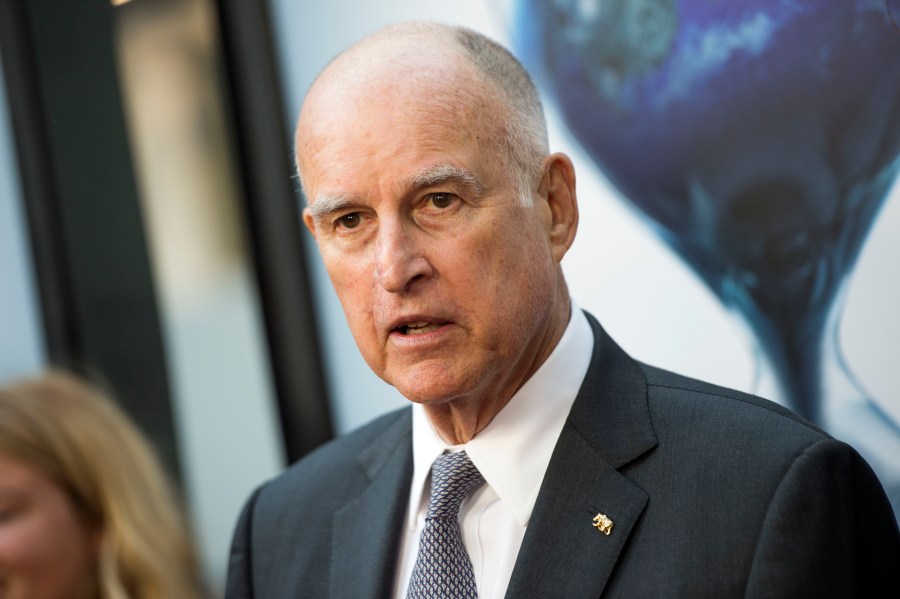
<point>349,221</point>
<point>441,199</point>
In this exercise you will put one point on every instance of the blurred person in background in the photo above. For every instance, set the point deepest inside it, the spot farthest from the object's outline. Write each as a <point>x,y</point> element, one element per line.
<point>86,510</point>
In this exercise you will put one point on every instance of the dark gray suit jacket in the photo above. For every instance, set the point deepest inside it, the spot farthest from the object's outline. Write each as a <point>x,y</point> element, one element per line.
<point>712,493</point>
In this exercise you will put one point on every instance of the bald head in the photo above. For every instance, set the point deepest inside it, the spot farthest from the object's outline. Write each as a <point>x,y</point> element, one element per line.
<point>455,69</point>
<point>439,216</point>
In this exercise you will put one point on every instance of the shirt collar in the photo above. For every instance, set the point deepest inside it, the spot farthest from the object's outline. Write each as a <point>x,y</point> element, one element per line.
<point>514,449</point>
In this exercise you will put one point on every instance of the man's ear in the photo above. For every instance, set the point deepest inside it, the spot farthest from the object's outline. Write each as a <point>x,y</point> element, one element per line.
<point>309,221</point>
<point>557,188</point>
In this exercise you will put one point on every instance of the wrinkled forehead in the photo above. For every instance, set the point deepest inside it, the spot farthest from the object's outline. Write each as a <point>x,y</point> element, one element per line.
<point>431,93</point>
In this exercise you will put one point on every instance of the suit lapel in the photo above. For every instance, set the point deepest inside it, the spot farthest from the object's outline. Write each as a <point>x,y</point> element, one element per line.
<point>563,554</point>
<point>367,529</point>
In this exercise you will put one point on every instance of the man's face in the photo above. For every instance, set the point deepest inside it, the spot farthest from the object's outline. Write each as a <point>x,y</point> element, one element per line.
<point>447,281</point>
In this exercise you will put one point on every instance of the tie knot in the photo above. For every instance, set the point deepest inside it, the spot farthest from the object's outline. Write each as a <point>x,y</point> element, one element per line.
<point>453,476</point>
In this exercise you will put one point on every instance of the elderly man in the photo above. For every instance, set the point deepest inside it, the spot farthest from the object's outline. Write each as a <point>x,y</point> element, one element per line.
<point>537,459</point>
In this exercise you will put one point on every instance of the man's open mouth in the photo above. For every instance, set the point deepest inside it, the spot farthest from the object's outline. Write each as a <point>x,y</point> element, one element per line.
<point>419,327</point>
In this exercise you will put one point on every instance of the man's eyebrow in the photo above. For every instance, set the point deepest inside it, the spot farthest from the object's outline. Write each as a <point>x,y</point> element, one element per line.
<point>326,204</point>
<point>445,173</point>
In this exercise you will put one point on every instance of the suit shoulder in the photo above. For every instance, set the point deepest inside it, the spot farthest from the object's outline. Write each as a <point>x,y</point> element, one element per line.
<point>341,459</point>
<point>285,533</point>
<point>726,405</point>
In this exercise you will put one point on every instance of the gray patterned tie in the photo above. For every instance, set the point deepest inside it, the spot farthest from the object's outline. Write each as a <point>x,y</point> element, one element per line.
<point>443,569</point>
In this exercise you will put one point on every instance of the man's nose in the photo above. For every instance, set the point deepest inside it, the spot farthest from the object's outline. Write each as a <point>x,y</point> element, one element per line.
<point>399,262</point>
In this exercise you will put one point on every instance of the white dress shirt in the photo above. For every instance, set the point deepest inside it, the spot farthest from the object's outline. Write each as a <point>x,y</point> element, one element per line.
<point>512,453</point>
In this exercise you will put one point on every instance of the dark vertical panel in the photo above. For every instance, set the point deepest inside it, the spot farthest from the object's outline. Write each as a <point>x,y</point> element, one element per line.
<point>275,227</point>
<point>94,273</point>
<point>46,232</point>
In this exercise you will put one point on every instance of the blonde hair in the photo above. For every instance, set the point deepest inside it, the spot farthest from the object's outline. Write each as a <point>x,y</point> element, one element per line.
<point>73,434</point>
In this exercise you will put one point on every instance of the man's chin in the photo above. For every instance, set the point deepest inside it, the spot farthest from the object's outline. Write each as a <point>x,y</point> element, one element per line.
<point>427,396</point>
<point>433,393</point>
<point>432,386</point>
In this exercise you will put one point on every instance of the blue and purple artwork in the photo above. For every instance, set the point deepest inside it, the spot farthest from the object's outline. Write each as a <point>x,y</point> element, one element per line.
<point>760,140</point>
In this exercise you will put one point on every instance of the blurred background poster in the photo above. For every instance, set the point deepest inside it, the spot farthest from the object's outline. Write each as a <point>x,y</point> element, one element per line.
<point>736,171</point>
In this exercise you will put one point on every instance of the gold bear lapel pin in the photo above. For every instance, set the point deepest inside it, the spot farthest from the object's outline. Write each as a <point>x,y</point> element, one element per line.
<point>603,524</point>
